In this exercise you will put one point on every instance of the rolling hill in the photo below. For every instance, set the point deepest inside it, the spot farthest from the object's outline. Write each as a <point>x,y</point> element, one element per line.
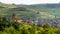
<point>50,8</point>
<point>23,12</point>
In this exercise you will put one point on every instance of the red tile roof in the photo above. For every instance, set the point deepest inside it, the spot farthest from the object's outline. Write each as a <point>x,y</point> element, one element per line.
<point>17,19</point>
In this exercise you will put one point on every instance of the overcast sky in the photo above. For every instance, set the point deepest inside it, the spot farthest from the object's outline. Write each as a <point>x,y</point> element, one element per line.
<point>30,1</point>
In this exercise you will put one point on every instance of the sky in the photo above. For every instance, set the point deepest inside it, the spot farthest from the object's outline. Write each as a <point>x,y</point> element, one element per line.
<point>28,2</point>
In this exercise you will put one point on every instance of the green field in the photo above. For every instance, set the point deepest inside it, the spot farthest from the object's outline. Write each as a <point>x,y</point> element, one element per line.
<point>24,12</point>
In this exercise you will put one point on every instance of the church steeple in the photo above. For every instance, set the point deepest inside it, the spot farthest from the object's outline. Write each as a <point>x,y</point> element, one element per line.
<point>13,16</point>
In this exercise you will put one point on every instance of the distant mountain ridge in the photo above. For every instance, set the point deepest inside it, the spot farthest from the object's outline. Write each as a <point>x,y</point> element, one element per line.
<point>53,5</point>
<point>43,5</point>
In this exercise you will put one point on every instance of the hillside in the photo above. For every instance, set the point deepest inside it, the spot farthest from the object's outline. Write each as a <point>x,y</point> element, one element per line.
<point>50,8</point>
<point>23,12</point>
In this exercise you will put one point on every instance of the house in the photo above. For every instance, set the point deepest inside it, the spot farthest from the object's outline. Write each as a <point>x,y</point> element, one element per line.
<point>29,22</point>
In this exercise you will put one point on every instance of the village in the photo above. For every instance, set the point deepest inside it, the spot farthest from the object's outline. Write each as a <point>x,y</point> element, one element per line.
<point>51,22</point>
<point>42,22</point>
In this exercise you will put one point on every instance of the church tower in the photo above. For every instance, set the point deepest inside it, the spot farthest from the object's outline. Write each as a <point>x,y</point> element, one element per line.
<point>13,16</point>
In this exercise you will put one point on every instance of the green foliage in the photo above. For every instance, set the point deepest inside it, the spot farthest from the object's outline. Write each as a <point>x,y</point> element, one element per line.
<point>27,29</point>
<point>7,27</point>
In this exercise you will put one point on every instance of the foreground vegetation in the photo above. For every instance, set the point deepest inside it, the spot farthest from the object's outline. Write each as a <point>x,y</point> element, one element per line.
<point>7,27</point>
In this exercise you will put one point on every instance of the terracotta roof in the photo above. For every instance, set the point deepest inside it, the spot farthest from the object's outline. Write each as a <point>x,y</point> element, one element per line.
<point>17,19</point>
